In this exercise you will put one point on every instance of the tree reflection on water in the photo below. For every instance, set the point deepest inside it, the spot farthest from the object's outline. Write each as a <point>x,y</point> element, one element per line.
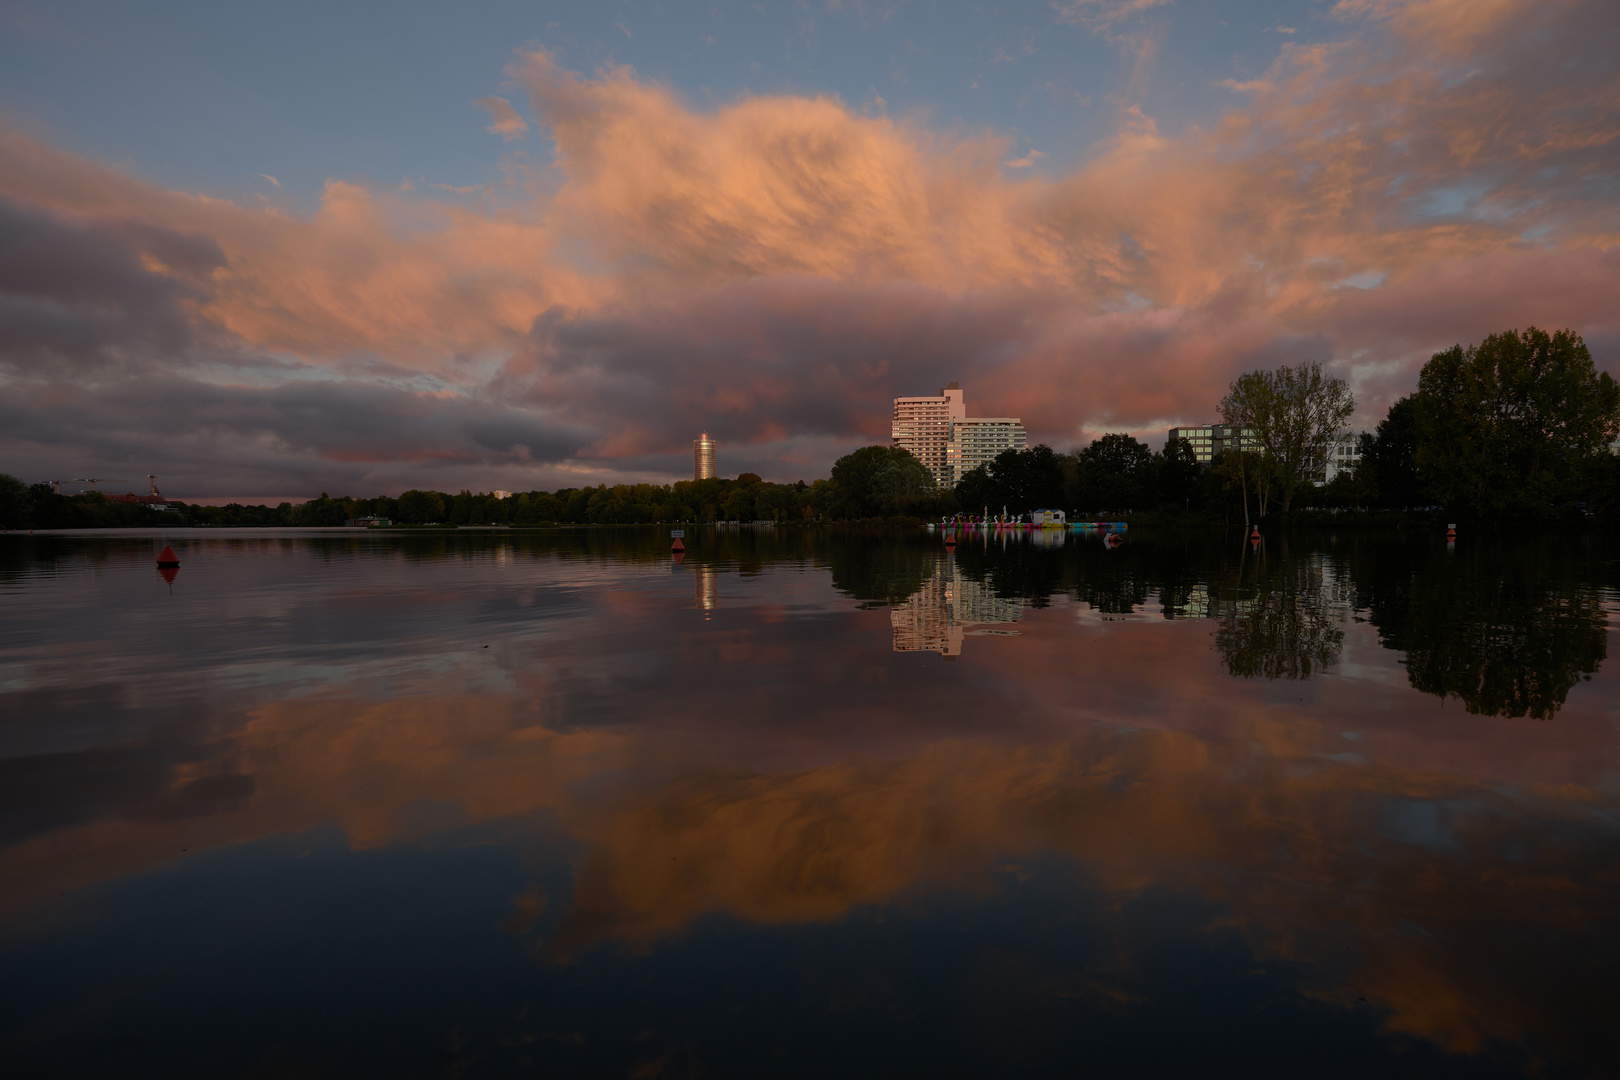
<point>1281,616</point>
<point>1508,629</point>
<point>535,797</point>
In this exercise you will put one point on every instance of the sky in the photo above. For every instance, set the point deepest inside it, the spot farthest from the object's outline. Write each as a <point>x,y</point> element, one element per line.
<point>266,251</point>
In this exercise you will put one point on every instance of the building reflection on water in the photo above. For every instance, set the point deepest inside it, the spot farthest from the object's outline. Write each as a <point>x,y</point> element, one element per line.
<point>814,839</point>
<point>708,586</point>
<point>937,616</point>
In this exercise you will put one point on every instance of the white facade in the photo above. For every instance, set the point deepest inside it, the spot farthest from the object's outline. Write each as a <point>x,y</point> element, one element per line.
<point>976,441</point>
<point>936,618</point>
<point>1344,454</point>
<point>922,425</point>
<point>939,433</point>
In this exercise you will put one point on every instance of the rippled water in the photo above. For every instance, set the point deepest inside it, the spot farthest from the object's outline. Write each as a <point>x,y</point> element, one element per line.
<point>809,804</point>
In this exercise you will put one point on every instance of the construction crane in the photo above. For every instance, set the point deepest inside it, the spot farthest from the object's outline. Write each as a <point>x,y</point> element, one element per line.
<point>91,480</point>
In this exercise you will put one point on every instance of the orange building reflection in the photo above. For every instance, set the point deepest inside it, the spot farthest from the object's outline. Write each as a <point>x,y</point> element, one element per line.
<point>708,586</point>
<point>938,616</point>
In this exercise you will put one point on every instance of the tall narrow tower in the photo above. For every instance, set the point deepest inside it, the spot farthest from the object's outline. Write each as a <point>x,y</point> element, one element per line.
<point>703,457</point>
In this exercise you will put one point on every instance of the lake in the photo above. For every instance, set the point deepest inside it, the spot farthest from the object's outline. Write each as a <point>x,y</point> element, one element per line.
<point>809,803</point>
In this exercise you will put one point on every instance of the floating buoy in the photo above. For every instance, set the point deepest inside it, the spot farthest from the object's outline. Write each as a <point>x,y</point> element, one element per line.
<point>677,545</point>
<point>167,559</point>
<point>1451,532</point>
<point>1255,535</point>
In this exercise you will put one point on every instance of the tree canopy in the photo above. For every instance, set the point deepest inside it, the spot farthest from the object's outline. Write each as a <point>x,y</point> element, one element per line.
<point>876,481</point>
<point>1507,426</point>
<point>1294,414</point>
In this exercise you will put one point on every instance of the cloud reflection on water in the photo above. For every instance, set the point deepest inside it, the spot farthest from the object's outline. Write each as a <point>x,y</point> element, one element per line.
<point>780,765</point>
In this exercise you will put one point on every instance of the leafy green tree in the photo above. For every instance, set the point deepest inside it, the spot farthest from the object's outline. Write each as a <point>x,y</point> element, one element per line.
<point>1505,427</point>
<point>1294,412</point>
<point>1248,406</point>
<point>1390,456</point>
<point>1115,473</point>
<point>14,502</point>
<point>899,482</point>
<point>739,504</point>
<point>875,480</point>
<point>977,489</point>
<point>421,507</point>
<point>325,511</point>
<point>1351,488</point>
<point>1177,479</point>
<point>576,508</point>
<point>1026,480</point>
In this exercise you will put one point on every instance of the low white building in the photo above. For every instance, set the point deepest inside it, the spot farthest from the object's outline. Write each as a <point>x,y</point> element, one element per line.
<point>1344,454</point>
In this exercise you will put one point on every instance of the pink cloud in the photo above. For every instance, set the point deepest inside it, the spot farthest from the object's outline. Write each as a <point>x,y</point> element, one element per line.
<point>777,268</point>
<point>505,120</point>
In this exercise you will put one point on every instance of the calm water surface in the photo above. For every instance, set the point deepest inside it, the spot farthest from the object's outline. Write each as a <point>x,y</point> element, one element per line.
<point>809,804</point>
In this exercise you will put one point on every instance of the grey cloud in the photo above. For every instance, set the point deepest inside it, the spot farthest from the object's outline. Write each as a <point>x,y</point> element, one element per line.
<point>299,437</point>
<point>765,359</point>
<point>79,294</point>
<point>785,370</point>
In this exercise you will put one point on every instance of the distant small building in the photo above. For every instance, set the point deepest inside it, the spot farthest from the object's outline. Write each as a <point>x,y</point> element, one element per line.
<point>499,494</point>
<point>368,522</point>
<point>1214,439</point>
<point>703,457</point>
<point>153,499</point>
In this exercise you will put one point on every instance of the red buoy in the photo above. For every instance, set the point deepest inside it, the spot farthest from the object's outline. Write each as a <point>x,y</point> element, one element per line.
<point>167,558</point>
<point>1256,534</point>
<point>677,545</point>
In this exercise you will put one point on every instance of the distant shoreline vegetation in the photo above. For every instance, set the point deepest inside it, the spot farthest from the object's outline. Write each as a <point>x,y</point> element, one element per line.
<point>1518,428</point>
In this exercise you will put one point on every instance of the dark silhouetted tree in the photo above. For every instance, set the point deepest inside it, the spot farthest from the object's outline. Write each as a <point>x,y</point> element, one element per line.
<point>1507,426</point>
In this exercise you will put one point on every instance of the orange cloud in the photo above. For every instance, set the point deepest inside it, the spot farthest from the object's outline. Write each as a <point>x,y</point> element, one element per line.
<point>1299,849</point>
<point>506,121</point>
<point>1431,152</point>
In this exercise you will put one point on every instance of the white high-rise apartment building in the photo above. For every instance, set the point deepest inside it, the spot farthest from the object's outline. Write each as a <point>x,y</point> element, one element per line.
<point>976,440</point>
<point>922,425</point>
<point>939,433</point>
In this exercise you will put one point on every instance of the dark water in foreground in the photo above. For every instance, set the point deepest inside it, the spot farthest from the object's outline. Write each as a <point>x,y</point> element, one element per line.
<point>809,805</point>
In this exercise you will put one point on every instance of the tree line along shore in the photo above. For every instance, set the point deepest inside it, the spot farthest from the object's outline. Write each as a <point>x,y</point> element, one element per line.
<point>1520,426</point>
